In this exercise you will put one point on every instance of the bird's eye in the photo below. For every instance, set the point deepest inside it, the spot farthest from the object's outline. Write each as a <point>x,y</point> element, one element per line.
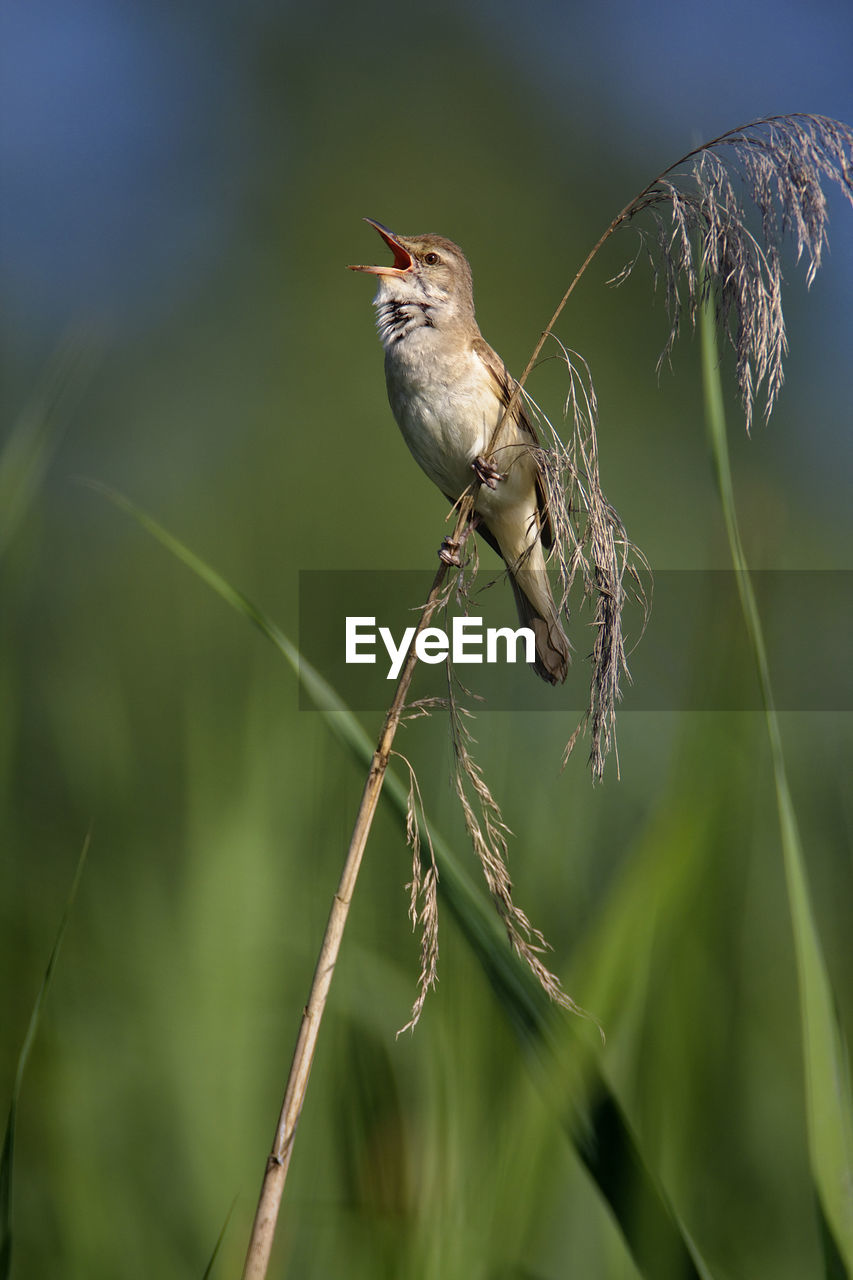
<point>431,259</point>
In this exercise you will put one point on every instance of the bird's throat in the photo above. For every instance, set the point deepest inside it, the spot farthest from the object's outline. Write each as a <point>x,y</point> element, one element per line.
<point>395,319</point>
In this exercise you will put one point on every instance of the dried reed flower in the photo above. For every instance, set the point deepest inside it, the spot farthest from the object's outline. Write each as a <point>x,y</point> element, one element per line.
<point>703,244</point>
<point>590,539</point>
<point>488,833</point>
<point>423,892</point>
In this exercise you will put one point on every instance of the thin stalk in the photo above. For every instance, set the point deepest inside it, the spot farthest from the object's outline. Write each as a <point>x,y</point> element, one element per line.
<point>266,1215</point>
<point>829,1108</point>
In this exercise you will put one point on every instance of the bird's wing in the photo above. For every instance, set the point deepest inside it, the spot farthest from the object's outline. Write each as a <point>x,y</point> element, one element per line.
<point>506,384</point>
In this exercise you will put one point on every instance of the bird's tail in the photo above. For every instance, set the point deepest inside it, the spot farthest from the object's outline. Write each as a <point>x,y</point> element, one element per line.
<point>536,609</point>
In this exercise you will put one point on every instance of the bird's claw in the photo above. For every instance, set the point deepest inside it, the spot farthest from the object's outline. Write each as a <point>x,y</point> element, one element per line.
<point>448,553</point>
<point>486,472</point>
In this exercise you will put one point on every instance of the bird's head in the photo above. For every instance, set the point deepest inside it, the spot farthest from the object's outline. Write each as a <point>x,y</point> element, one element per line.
<point>427,270</point>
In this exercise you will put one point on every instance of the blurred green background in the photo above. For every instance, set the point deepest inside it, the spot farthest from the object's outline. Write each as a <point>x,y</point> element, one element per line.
<point>182,189</point>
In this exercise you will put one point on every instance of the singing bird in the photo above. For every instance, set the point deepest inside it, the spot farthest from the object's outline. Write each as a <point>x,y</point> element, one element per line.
<point>448,391</point>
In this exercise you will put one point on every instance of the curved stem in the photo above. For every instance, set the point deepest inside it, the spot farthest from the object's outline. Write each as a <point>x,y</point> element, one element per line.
<point>266,1215</point>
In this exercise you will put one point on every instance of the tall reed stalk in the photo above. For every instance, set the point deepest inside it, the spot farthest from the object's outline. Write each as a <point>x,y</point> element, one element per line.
<point>263,1228</point>
<point>828,1099</point>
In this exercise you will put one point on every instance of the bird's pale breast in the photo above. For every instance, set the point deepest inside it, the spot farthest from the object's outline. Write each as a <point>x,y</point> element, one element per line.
<point>446,404</point>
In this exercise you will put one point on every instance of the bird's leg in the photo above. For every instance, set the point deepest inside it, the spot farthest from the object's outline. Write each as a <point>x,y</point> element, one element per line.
<point>486,472</point>
<point>449,551</point>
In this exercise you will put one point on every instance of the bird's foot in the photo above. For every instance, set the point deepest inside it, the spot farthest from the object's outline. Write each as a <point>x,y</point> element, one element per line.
<point>486,472</point>
<point>450,550</point>
<point>448,553</point>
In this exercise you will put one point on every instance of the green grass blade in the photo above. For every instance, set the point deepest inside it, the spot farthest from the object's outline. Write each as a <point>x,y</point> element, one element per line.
<point>335,711</point>
<point>588,1111</point>
<point>8,1154</point>
<point>828,1098</point>
<point>208,1271</point>
<point>201,569</point>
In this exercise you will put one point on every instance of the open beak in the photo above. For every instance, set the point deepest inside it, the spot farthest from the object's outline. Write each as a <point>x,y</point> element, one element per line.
<point>402,257</point>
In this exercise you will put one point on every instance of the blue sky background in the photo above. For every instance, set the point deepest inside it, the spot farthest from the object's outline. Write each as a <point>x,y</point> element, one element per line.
<point>128,132</point>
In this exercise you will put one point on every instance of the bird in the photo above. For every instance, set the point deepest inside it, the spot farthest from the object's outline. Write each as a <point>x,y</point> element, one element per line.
<point>448,391</point>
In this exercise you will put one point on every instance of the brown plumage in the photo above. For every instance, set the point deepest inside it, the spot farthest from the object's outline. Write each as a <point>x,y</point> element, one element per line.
<point>448,390</point>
